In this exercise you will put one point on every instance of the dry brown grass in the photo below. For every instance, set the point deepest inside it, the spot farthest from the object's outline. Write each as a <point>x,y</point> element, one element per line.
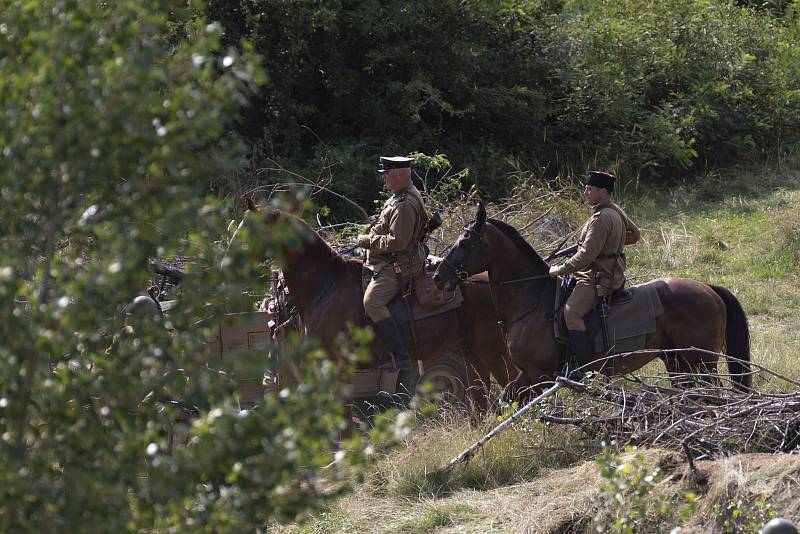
<point>562,501</point>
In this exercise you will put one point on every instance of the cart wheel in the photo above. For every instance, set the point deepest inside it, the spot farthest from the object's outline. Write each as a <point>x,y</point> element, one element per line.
<point>447,378</point>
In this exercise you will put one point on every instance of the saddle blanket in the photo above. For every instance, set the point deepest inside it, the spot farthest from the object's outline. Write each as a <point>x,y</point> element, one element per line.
<point>628,321</point>
<point>398,309</point>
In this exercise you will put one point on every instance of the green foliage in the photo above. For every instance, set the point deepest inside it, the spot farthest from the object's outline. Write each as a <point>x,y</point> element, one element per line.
<point>111,142</point>
<point>668,81</point>
<point>741,517</point>
<point>432,518</point>
<point>622,505</point>
<point>642,87</point>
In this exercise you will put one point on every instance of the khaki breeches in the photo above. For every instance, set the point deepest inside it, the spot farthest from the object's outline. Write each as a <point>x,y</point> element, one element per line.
<point>378,292</point>
<point>581,302</point>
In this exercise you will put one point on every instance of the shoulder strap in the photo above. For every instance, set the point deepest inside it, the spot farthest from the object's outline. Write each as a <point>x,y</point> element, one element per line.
<point>422,216</point>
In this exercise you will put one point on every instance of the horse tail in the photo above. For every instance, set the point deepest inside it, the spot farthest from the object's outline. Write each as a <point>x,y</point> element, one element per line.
<point>737,339</point>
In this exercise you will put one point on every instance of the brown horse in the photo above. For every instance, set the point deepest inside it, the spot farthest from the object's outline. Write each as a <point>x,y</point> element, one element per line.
<point>326,289</point>
<point>696,315</point>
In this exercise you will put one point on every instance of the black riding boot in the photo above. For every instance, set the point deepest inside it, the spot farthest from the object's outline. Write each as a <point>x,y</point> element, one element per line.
<point>580,351</point>
<point>393,339</point>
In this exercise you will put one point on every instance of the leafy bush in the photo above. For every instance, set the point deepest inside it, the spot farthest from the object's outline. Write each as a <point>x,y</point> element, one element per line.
<point>555,86</point>
<point>741,517</point>
<point>112,134</point>
<point>657,84</point>
<point>622,505</point>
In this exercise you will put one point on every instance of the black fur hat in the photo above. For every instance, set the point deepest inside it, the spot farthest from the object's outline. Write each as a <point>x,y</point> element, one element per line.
<point>601,179</point>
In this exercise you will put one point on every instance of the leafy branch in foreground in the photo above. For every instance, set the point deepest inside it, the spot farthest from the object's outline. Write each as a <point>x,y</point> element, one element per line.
<point>115,115</point>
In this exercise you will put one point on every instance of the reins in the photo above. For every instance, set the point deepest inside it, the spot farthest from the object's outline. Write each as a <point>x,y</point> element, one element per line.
<point>345,251</point>
<point>463,276</point>
<point>505,282</point>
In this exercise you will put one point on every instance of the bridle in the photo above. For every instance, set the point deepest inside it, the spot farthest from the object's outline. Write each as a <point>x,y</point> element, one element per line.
<point>468,244</point>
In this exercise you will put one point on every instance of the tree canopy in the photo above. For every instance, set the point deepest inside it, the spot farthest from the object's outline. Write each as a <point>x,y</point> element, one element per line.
<point>547,86</point>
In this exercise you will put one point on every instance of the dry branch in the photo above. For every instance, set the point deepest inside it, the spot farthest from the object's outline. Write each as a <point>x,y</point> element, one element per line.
<point>467,453</point>
<point>708,416</point>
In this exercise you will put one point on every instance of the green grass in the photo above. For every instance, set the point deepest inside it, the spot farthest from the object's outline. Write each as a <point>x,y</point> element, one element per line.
<point>431,517</point>
<point>418,519</point>
<point>747,239</point>
<point>417,473</point>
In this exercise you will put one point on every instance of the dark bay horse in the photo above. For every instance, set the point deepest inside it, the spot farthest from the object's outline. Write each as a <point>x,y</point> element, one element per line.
<point>696,315</point>
<point>327,292</point>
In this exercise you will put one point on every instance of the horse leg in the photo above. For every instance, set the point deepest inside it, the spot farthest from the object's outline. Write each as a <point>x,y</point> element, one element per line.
<point>685,301</point>
<point>687,368</point>
<point>536,353</point>
<point>681,372</point>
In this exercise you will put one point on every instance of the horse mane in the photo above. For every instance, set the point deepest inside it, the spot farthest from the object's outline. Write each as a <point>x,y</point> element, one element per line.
<point>314,246</point>
<point>318,249</point>
<point>525,247</point>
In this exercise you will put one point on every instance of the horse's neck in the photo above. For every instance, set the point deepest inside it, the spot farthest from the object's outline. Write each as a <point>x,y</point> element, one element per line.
<point>508,262</point>
<point>312,271</point>
<point>516,279</point>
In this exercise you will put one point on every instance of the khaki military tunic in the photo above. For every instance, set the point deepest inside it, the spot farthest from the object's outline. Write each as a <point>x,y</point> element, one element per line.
<point>599,264</point>
<point>395,253</point>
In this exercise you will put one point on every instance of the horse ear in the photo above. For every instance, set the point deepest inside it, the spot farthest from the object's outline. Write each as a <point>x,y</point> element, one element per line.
<point>250,205</point>
<point>480,217</point>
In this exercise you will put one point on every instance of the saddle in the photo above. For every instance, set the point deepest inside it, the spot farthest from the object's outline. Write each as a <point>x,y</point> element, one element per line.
<point>427,295</point>
<point>427,299</point>
<point>630,314</point>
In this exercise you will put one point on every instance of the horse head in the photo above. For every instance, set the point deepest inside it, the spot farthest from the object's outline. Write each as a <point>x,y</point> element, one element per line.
<point>467,255</point>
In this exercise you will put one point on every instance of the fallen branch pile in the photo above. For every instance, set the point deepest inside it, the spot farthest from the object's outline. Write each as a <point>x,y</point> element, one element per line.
<point>706,416</point>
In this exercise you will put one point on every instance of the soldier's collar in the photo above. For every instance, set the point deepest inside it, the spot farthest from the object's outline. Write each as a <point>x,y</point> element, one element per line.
<point>403,191</point>
<point>598,207</point>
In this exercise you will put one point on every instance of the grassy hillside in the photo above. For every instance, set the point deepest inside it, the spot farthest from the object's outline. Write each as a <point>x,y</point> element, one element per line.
<point>740,230</point>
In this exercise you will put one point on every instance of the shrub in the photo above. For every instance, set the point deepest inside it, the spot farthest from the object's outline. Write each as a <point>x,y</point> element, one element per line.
<point>648,88</point>
<point>114,114</point>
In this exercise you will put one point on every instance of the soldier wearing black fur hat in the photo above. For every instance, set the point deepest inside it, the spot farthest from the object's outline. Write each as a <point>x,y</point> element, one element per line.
<point>394,251</point>
<point>599,263</point>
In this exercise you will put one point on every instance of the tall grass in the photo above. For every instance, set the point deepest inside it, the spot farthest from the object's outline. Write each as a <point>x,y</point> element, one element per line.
<point>416,472</point>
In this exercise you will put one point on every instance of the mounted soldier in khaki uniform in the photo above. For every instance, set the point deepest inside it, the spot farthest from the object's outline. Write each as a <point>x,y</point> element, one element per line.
<point>394,251</point>
<point>599,263</point>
